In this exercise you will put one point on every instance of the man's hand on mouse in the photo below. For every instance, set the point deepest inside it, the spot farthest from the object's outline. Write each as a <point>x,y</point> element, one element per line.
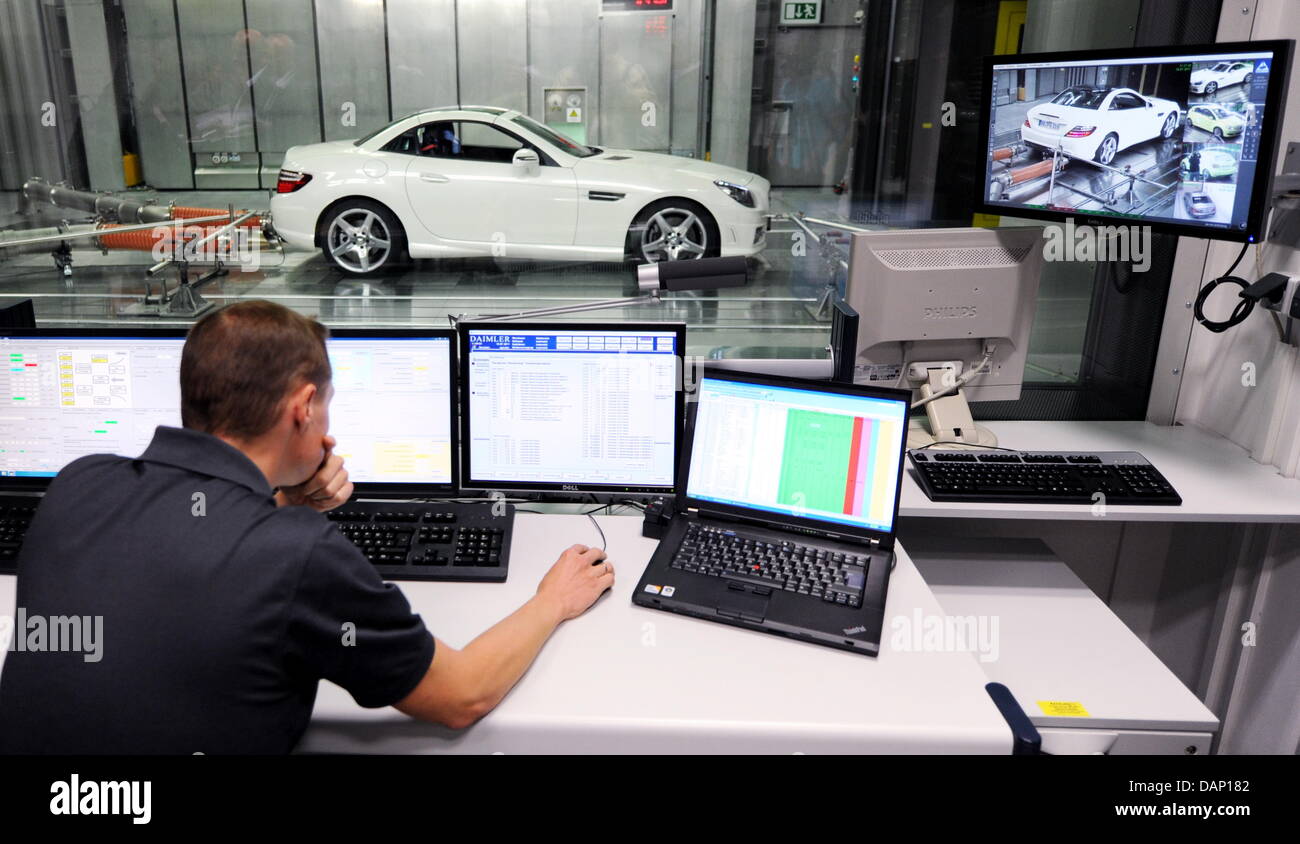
<point>323,491</point>
<point>576,580</point>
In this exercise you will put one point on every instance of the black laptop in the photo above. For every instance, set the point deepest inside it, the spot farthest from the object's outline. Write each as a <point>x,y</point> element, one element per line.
<point>786,513</point>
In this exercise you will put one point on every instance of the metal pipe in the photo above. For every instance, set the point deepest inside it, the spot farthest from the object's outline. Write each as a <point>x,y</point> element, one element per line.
<point>831,224</point>
<point>96,232</point>
<point>234,224</point>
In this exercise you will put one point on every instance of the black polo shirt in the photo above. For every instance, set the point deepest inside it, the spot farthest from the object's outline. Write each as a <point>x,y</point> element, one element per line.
<point>221,612</point>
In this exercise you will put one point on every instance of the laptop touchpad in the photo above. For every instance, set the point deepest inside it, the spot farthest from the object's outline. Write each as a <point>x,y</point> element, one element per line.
<point>743,605</point>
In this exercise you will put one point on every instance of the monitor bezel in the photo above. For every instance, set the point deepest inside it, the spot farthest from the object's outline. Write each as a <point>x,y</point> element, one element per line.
<point>17,484</point>
<point>815,527</point>
<point>679,407</point>
<point>387,489</point>
<point>1261,200</point>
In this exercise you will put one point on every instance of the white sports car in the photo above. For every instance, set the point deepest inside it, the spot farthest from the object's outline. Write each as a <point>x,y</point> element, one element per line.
<point>1207,80</point>
<point>478,181</point>
<point>1096,123</point>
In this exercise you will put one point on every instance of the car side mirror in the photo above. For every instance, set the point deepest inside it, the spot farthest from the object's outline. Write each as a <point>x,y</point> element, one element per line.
<point>527,160</point>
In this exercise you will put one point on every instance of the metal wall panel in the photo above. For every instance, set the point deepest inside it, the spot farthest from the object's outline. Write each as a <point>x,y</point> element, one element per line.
<point>214,52</point>
<point>353,67</point>
<point>422,54</point>
<point>30,143</point>
<point>636,64</point>
<point>286,90</point>
<point>687,76</point>
<point>563,46</point>
<point>157,96</point>
<point>733,72</point>
<point>493,48</point>
<point>93,71</point>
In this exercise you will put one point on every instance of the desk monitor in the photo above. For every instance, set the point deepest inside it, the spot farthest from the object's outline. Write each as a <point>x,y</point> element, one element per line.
<point>1183,139</point>
<point>946,311</point>
<point>394,408</point>
<point>572,407</point>
<point>69,392</point>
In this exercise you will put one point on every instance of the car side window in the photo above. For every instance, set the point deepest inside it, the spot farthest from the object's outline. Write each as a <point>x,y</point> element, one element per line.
<point>429,139</point>
<point>1123,101</point>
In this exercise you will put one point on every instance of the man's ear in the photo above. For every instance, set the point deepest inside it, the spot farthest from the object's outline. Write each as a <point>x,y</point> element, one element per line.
<point>301,405</point>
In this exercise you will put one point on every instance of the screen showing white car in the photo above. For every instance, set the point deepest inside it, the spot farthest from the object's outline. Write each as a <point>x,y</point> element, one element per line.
<point>392,408</point>
<point>816,455</point>
<point>1171,139</point>
<point>573,409</point>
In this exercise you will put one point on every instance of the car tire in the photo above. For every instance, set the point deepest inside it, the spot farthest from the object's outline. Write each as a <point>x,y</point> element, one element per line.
<point>1247,79</point>
<point>1211,88</point>
<point>361,237</point>
<point>1107,150</point>
<point>1218,133</point>
<point>1171,125</point>
<point>696,233</point>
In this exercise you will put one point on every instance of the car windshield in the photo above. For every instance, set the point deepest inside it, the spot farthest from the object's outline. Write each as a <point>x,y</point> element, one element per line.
<point>1080,97</point>
<point>359,141</point>
<point>1219,113</point>
<point>555,138</point>
<point>1221,66</point>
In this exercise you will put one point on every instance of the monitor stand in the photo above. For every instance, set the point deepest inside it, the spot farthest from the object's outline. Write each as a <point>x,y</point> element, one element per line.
<point>950,420</point>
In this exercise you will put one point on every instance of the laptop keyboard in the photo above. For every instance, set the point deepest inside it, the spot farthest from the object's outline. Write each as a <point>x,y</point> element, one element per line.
<point>15,515</point>
<point>833,577</point>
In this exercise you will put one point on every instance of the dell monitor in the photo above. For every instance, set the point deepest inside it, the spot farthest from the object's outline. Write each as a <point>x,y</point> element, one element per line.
<point>1183,139</point>
<point>945,313</point>
<point>571,407</point>
<point>72,392</point>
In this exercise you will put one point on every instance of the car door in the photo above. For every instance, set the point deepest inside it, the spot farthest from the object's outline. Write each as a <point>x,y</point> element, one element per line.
<point>1237,73</point>
<point>463,186</point>
<point>1127,115</point>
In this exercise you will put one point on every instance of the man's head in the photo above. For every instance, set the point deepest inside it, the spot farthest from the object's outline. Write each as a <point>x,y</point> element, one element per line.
<point>257,375</point>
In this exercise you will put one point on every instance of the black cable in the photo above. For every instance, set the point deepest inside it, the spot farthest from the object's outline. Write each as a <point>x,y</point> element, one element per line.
<point>1239,313</point>
<point>968,445</point>
<point>597,524</point>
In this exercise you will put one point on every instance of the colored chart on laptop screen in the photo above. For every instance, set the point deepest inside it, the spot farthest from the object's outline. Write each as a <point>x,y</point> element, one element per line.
<point>820,455</point>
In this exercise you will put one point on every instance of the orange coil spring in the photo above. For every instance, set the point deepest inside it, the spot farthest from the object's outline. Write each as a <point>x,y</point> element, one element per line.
<point>146,239</point>
<point>185,213</point>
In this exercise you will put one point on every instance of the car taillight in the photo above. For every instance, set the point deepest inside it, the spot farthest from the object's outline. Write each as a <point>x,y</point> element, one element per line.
<point>291,180</point>
<point>1027,126</point>
<point>1080,131</point>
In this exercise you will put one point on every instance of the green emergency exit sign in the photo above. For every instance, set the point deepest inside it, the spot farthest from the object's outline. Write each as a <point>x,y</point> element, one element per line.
<point>801,12</point>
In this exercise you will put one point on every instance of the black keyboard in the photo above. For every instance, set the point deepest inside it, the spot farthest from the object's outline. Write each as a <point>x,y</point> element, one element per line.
<point>438,541</point>
<point>16,513</point>
<point>1041,477</point>
<point>836,578</point>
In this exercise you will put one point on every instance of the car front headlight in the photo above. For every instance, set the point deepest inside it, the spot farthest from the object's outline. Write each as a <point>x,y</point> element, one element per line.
<point>736,192</point>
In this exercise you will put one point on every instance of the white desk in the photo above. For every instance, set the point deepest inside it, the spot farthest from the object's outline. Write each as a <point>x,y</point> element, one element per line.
<point>626,679</point>
<point>1216,478</point>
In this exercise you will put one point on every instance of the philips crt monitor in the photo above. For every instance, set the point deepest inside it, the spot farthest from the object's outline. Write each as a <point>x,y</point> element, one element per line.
<point>72,392</point>
<point>1183,139</point>
<point>945,313</point>
<point>576,407</point>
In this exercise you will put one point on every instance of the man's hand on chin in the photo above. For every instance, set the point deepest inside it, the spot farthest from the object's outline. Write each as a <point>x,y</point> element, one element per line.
<point>323,491</point>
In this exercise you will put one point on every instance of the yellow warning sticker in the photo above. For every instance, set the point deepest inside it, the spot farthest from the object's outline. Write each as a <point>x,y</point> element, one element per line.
<point>1063,708</point>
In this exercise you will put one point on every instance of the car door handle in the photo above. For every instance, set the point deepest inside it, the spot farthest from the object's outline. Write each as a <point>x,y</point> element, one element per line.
<point>434,177</point>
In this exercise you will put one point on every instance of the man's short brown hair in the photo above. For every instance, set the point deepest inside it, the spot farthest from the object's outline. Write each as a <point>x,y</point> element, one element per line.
<point>241,362</point>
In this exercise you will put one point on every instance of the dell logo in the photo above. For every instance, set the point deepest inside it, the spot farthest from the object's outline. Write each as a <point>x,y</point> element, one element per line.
<point>570,487</point>
<point>950,312</point>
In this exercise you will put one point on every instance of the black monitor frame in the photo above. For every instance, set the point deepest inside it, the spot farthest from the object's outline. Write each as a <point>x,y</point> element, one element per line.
<point>469,482</point>
<point>6,334</point>
<point>812,526</point>
<point>1261,199</point>
<point>417,489</point>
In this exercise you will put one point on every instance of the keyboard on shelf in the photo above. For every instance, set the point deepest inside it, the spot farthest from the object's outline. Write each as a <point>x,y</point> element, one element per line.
<point>836,578</point>
<point>1041,477</point>
<point>442,540</point>
<point>16,513</point>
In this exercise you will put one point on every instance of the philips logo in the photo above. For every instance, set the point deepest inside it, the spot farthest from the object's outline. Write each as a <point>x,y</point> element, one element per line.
<point>951,312</point>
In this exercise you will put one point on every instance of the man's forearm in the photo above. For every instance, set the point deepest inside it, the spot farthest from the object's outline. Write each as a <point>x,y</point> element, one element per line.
<point>499,656</point>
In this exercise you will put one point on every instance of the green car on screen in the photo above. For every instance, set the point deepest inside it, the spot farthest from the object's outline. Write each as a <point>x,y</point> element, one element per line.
<point>1213,164</point>
<point>1217,120</point>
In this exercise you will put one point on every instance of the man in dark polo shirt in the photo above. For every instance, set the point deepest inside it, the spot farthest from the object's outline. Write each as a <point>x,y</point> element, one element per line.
<point>225,595</point>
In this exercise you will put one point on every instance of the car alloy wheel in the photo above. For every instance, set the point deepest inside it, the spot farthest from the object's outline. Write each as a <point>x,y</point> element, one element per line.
<point>1218,133</point>
<point>1247,79</point>
<point>1106,152</point>
<point>1171,123</point>
<point>359,240</point>
<point>1211,88</point>
<point>674,234</point>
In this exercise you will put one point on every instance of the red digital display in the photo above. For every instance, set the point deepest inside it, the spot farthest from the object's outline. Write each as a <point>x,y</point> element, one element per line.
<point>636,5</point>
